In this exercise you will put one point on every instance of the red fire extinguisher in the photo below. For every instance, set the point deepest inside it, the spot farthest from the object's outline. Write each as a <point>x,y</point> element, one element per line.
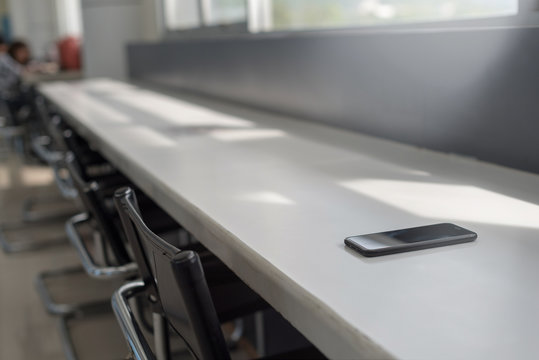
<point>69,51</point>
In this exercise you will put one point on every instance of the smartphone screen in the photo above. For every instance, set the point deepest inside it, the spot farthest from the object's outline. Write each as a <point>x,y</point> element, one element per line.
<point>416,238</point>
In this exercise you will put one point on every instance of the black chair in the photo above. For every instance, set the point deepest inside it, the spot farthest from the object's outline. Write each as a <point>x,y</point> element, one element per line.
<point>17,112</point>
<point>94,194</point>
<point>96,181</point>
<point>183,289</point>
<point>10,132</point>
<point>27,111</point>
<point>97,197</point>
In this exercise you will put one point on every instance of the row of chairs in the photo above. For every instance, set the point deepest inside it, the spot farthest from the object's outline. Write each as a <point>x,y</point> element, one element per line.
<point>167,286</point>
<point>21,130</point>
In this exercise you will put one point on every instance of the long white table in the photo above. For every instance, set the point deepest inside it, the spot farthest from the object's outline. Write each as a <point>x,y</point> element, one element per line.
<point>274,198</point>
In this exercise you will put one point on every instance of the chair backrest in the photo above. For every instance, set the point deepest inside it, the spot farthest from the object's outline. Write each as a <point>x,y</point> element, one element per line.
<point>55,127</point>
<point>68,140</point>
<point>175,283</point>
<point>42,111</point>
<point>94,203</point>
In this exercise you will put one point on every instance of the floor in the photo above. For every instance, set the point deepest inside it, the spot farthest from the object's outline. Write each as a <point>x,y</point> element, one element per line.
<point>27,331</point>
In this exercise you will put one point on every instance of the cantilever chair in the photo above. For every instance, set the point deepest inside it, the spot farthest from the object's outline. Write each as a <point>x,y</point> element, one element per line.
<point>16,112</point>
<point>185,290</point>
<point>96,189</point>
<point>97,196</point>
<point>10,132</point>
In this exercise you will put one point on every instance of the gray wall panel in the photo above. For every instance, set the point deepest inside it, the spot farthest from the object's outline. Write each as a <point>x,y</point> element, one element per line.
<point>472,92</point>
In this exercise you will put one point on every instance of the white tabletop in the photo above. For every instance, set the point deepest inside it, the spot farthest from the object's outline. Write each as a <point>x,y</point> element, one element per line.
<point>274,198</point>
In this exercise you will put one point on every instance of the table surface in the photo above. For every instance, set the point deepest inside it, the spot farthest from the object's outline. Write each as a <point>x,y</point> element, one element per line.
<point>274,198</point>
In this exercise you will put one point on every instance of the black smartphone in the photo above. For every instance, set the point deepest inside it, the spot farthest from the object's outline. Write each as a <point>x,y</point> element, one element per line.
<point>417,238</point>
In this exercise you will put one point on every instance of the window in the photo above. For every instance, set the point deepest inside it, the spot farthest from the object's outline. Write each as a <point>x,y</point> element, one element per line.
<point>302,14</point>
<point>69,18</point>
<point>223,12</point>
<point>189,14</point>
<point>276,15</point>
<point>182,14</point>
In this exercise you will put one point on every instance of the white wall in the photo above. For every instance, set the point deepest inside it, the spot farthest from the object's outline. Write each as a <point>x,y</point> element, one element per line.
<point>108,25</point>
<point>34,21</point>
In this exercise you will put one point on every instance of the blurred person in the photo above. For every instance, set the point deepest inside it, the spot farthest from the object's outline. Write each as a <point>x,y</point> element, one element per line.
<point>12,93</point>
<point>3,45</point>
<point>12,64</point>
<point>20,52</point>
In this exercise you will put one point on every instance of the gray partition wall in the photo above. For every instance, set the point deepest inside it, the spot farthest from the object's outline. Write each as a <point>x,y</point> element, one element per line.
<point>474,92</point>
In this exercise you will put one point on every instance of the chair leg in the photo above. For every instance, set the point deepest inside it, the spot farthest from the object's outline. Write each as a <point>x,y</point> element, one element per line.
<point>29,214</point>
<point>64,309</point>
<point>107,335</point>
<point>133,334</point>
<point>260,333</point>
<point>13,137</point>
<point>161,339</point>
<point>65,338</point>
<point>236,335</point>
<point>28,243</point>
<point>33,220</point>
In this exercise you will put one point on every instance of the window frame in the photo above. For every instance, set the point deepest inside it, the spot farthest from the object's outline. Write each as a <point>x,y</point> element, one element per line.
<point>204,29</point>
<point>256,23</point>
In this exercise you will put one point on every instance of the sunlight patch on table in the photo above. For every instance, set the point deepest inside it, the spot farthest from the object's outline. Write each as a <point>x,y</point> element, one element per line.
<point>449,201</point>
<point>105,85</point>
<point>146,136</point>
<point>233,135</point>
<point>178,112</point>
<point>268,197</point>
<point>85,106</point>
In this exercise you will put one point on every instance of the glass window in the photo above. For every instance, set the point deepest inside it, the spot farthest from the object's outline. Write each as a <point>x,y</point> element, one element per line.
<point>69,18</point>
<point>302,14</point>
<point>182,14</point>
<point>222,12</point>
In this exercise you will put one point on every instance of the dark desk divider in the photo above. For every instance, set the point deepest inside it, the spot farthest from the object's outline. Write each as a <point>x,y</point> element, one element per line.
<point>472,92</point>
